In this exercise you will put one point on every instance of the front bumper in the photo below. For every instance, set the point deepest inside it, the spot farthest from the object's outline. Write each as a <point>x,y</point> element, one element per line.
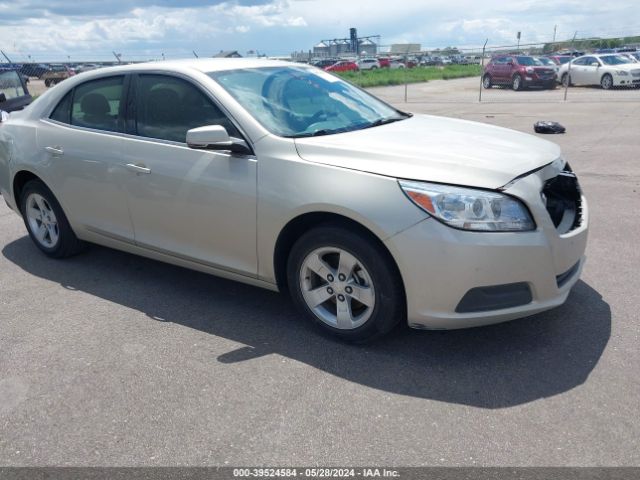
<point>440,265</point>
<point>535,81</point>
<point>625,80</point>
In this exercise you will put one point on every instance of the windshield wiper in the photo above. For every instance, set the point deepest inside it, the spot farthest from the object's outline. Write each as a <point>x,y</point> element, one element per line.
<point>375,123</point>
<point>317,133</point>
<point>384,121</point>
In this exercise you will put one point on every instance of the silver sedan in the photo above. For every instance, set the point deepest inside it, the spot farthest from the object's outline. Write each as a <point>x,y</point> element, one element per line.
<point>286,177</point>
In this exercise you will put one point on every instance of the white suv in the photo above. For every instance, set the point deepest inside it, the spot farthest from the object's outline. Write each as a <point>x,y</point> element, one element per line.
<point>368,64</point>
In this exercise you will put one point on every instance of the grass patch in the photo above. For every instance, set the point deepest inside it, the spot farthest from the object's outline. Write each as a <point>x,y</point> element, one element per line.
<point>384,76</point>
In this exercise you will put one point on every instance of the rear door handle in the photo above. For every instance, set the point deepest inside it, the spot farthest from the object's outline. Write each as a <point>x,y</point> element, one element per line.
<point>137,168</point>
<point>57,150</point>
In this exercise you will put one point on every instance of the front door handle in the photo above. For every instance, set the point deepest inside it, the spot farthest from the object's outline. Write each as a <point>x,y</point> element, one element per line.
<point>138,168</point>
<point>57,150</point>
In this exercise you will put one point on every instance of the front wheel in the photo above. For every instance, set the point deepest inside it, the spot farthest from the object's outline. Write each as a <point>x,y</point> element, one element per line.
<point>47,83</point>
<point>606,82</point>
<point>566,80</point>
<point>46,223</point>
<point>345,283</point>
<point>516,83</point>
<point>486,81</point>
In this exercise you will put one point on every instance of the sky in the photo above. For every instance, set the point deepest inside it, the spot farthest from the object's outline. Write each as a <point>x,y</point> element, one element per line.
<point>146,29</point>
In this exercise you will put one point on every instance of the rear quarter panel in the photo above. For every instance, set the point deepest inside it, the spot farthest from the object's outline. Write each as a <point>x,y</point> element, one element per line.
<point>18,138</point>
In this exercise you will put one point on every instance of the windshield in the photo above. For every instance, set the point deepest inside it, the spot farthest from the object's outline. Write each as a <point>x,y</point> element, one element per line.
<point>296,101</point>
<point>545,61</point>
<point>614,60</point>
<point>527,61</point>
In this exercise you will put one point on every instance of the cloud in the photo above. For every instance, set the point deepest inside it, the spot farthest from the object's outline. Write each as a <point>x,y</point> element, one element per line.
<point>146,28</point>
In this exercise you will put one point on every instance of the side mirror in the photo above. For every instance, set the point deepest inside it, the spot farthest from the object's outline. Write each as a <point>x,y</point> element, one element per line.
<point>595,64</point>
<point>215,137</point>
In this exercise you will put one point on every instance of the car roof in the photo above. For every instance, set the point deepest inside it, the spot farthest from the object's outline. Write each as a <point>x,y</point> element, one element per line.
<point>204,65</point>
<point>186,67</point>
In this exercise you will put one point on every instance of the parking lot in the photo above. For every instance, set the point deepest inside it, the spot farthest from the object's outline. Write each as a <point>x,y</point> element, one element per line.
<point>111,359</point>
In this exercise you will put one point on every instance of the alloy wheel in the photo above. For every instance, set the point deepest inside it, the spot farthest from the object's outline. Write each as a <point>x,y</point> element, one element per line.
<point>337,288</point>
<point>42,220</point>
<point>516,82</point>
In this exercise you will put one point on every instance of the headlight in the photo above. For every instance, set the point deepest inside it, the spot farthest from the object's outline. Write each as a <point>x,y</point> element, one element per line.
<point>529,69</point>
<point>622,73</point>
<point>469,209</point>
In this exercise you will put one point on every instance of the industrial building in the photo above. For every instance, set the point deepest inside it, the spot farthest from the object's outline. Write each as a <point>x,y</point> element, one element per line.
<point>351,46</point>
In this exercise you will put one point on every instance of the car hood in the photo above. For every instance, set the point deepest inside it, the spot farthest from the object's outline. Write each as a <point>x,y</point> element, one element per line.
<point>435,149</point>
<point>625,66</point>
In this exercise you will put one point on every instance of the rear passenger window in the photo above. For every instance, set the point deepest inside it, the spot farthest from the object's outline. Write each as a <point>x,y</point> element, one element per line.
<point>167,107</point>
<point>62,112</point>
<point>96,104</point>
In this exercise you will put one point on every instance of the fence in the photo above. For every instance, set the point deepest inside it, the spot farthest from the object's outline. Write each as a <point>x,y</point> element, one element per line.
<point>433,76</point>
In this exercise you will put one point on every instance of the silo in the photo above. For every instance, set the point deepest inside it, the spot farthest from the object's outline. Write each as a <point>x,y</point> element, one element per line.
<point>321,50</point>
<point>369,47</point>
<point>344,46</point>
<point>333,48</point>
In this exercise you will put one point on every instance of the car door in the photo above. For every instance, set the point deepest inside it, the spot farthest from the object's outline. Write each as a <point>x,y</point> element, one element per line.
<point>198,205</point>
<point>591,69</point>
<point>578,73</point>
<point>80,143</point>
<point>499,68</point>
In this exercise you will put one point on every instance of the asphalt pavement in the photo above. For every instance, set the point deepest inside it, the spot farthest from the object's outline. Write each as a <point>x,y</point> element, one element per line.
<point>109,359</point>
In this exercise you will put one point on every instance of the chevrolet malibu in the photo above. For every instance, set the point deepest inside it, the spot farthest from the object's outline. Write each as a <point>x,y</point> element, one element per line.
<point>285,177</point>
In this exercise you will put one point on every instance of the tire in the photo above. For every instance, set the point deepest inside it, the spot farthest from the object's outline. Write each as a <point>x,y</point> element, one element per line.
<point>566,80</point>
<point>47,83</point>
<point>606,82</point>
<point>551,86</point>
<point>486,81</point>
<point>517,83</point>
<point>321,291</point>
<point>46,222</point>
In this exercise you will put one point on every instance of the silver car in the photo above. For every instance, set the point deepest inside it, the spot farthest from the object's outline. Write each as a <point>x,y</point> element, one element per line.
<point>286,177</point>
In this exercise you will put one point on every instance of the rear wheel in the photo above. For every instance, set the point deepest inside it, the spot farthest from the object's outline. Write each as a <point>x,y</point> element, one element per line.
<point>47,83</point>
<point>345,283</point>
<point>606,82</point>
<point>486,81</point>
<point>46,223</point>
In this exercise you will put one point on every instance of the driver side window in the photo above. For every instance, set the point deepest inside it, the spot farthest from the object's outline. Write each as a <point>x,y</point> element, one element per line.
<point>167,107</point>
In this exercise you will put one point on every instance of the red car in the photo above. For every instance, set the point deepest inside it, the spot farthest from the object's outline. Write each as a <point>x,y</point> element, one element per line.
<point>518,71</point>
<point>343,66</point>
<point>411,63</point>
<point>385,62</point>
